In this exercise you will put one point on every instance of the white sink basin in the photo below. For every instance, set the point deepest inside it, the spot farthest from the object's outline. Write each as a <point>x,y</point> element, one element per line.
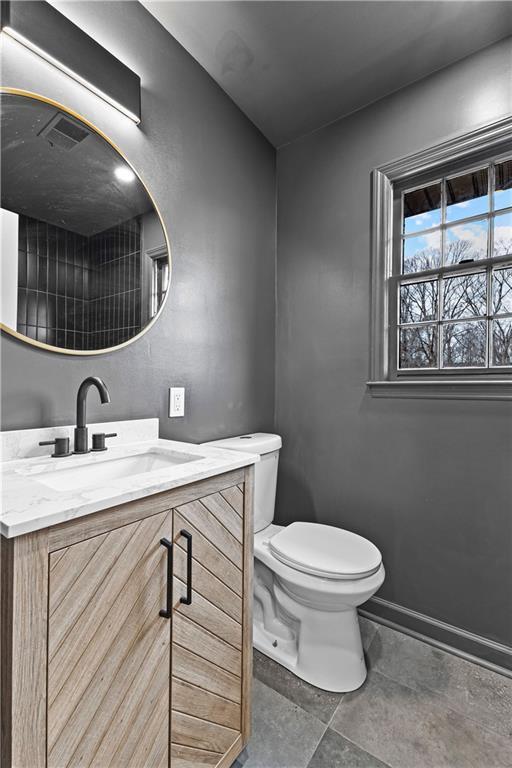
<point>98,473</point>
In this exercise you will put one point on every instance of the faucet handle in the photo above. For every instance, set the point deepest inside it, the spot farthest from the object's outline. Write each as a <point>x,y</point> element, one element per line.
<point>98,440</point>
<point>61,446</point>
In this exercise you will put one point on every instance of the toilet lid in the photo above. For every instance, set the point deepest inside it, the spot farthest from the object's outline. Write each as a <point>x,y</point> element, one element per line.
<point>326,551</point>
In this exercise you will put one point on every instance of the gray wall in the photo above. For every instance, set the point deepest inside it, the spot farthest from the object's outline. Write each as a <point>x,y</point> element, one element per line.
<point>427,481</point>
<point>213,177</point>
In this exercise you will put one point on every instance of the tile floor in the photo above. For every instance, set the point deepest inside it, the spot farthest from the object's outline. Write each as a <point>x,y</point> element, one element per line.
<point>419,708</point>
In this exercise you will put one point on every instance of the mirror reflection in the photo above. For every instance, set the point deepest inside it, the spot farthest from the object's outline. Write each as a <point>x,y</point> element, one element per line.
<point>84,256</point>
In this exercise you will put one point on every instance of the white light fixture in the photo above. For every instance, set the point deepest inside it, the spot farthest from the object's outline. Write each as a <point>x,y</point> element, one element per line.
<point>124,174</point>
<point>52,36</point>
<point>63,68</point>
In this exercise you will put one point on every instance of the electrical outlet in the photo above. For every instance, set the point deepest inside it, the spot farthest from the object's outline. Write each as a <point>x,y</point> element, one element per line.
<point>176,401</point>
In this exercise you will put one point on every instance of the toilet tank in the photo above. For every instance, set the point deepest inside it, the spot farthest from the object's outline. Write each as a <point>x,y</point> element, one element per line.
<point>265,471</point>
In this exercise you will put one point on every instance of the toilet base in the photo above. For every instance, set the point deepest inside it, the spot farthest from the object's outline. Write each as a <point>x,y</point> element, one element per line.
<point>334,663</point>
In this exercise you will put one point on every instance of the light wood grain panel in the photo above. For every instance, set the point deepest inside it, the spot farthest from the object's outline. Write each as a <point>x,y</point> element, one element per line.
<point>191,700</point>
<point>201,734</point>
<point>67,724</point>
<point>247,621</point>
<point>232,753</point>
<point>150,751</point>
<point>57,555</point>
<point>194,669</point>
<point>24,616</point>
<point>210,557</point>
<point>6,632</point>
<point>201,642</point>
<point>197,515</point>
<point>73,661</point>
<point>90,715</point>
<point>127,693</point>
<point>225,514</point>
<point>208,585</point>
<point>214,633</point>
<point>144,718</point>
<point>68,602</point>
<point>188,757</point>
<point>63,568</point>
<point>97,523</point>
<point>235,497</point>
<point>207,615</point>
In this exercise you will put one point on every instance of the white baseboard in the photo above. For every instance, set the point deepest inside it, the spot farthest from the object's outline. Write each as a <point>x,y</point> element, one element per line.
<point>467,645</point>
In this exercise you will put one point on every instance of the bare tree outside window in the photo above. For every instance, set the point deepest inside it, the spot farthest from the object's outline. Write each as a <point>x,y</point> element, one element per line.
<point>453,313</point>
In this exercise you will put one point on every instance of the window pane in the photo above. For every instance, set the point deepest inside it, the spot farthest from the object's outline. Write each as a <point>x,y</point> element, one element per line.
<point>467,195</point>
<point>464,344</point>
<point>418,301</point>
<point>502,291</point>
<point>503,193</point>
<point>502,341</point>
<point>465,296</point>
<point>418,347</point>
<point>503,235</point>
<point>422,208</point>
<point>466,242</point>
<point>422,252</point>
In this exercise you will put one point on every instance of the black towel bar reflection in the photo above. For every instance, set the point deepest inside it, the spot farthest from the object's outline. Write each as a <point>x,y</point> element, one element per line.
<point>188,599</point>
<point>166,612</point>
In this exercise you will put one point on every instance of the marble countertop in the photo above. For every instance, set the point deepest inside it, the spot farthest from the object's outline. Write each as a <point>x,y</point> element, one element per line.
<point>28,505</point>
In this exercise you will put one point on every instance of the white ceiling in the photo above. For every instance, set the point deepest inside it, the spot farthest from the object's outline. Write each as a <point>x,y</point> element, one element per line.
<point>295,66</point>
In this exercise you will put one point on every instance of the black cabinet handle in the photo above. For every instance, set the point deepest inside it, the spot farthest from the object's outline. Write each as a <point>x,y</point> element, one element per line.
<point>166,613</point>
<point>188,599</point>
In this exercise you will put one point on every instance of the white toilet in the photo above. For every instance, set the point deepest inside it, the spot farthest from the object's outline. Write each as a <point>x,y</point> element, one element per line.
<point>308,581</point>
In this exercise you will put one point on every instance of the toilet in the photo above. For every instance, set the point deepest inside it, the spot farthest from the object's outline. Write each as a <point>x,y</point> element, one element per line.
<point>309,580</point>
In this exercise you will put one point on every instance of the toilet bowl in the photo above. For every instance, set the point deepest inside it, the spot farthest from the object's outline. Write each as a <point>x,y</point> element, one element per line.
<point>309,580</point>
<point>323,643</point>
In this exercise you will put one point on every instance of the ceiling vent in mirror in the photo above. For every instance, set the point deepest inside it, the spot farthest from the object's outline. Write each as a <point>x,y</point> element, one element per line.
<point>64,132</point>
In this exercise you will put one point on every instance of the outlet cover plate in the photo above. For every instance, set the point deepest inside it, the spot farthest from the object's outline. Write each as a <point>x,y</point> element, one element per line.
<point>176,402</point>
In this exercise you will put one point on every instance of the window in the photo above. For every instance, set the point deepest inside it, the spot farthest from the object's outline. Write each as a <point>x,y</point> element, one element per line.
<point>159,282</point>
<point>441,283</point>
<point>453,272</point>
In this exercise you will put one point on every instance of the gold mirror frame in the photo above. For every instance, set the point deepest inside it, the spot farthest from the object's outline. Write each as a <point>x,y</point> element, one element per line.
<point>49,347</point>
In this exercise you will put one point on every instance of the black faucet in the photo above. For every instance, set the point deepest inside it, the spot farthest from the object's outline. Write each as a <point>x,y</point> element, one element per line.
<point>81,439</point>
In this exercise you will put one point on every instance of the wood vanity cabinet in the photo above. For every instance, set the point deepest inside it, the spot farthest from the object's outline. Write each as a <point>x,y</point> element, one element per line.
<point>119,649</point>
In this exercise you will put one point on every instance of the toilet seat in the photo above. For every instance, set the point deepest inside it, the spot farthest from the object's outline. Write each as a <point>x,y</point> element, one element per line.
<point>325,551</point>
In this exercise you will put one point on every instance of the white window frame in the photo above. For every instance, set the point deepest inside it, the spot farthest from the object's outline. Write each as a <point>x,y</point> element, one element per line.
<point>157,255</point>
<point>384,380</point>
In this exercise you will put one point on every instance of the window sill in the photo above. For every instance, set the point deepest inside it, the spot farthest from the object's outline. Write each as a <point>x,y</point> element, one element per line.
<point>443,389</point>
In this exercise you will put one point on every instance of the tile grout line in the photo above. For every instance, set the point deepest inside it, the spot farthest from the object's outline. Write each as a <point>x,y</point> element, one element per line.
<point>318,743</point>
<point>343,695</point>
<point>441,702</point>
<point>419,689</point>
<point>329,725</point>
<point>295,704</point>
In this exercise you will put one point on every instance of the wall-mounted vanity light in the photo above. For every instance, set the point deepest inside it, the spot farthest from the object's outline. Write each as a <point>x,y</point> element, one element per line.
<point>41,28</point>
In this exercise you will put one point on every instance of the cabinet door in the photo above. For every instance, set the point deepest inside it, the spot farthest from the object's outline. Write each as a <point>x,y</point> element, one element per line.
<point>109,650</point>
<point>206,690</point>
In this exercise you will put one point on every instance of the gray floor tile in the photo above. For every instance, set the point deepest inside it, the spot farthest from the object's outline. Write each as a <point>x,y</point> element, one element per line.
<point>368,631</point>
<point>241,760</point>
<point>283,735</point>
<point>334,751</point>
<point>474,691</point>
<point>409,728</point>
<point>319,703</point>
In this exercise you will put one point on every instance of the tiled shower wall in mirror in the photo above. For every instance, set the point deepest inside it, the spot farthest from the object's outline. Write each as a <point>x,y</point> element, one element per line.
<point>114,299</point>
<point>79,292</point>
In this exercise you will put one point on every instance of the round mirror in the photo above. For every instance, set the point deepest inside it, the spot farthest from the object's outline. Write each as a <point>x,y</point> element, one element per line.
<point>85,261</point>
